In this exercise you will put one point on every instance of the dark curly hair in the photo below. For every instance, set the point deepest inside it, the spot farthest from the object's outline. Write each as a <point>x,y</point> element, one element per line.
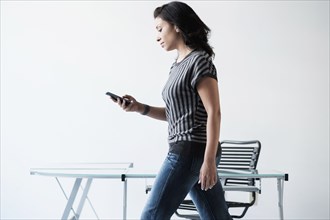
<point>195,33</point>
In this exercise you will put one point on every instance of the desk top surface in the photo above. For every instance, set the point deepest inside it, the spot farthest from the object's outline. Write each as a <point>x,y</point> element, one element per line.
<point>126,170</point>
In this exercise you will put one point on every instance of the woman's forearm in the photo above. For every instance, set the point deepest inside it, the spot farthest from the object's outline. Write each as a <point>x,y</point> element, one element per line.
<point>154,112</point>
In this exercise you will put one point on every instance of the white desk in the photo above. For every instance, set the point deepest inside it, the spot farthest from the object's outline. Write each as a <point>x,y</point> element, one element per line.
<point>125,171</point>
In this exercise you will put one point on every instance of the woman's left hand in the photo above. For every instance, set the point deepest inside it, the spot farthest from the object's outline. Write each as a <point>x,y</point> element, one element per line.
<point>208,175</point>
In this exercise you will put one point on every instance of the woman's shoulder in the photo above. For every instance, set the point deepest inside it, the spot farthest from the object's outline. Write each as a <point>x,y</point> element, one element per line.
<point>198,55</point>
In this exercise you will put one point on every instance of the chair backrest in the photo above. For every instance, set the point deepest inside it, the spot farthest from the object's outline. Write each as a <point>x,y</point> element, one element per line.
<point>243,155</point>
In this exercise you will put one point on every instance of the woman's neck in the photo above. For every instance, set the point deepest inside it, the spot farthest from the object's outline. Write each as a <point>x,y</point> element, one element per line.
<point>183,52</point>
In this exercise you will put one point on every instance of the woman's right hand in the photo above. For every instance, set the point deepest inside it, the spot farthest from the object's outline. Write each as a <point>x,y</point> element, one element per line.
<point>132,106</point>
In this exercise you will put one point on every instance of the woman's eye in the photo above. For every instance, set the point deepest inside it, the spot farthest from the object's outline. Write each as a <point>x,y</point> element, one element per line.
<point>160,30</point>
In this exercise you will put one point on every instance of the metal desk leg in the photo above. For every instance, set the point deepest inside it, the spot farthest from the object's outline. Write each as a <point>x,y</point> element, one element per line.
<point>125,200</point>
<point>83,198</point>
<point>71,199</point>
<point>280,186</point>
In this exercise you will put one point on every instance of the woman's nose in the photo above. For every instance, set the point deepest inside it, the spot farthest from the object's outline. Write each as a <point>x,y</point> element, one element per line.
<point>158,39</point>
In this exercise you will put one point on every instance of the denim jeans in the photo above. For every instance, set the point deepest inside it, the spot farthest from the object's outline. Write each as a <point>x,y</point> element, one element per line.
<point>179,176</point>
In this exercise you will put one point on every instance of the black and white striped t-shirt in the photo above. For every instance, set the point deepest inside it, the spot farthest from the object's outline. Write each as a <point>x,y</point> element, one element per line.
<point>185,112</point>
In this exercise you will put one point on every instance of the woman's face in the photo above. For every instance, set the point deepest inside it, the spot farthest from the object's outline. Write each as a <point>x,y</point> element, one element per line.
<point>167,34</point>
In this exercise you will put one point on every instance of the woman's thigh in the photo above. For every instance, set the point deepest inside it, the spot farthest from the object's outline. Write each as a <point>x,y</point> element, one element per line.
<point>210,204</point>
<point>172,184</point>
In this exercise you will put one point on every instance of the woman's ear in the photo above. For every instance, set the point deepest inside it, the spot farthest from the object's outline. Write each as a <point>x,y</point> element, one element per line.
<point>176,29</point>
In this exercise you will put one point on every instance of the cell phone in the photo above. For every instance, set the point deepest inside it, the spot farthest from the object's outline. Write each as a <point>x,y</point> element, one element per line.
<point>116,97</point>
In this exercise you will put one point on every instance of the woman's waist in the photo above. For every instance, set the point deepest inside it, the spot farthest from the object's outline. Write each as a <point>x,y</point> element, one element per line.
<point>190,147</point>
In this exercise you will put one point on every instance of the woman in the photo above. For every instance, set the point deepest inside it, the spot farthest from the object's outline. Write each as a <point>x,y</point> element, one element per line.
<point>193,114</point>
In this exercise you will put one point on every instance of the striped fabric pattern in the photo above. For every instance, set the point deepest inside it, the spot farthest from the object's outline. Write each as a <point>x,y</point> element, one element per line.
<point>185,111</point>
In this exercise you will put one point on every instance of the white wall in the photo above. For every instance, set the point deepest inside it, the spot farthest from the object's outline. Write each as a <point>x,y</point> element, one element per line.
<point>59,58</point>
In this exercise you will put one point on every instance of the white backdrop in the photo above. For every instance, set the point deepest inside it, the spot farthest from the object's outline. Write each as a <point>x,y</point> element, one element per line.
<point>59,58</point>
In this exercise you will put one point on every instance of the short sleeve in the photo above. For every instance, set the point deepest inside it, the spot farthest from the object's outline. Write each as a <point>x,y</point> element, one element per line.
<point>202,67</point>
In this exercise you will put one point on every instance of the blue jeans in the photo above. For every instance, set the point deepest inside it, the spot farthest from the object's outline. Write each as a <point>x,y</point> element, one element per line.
<point>179,176</point>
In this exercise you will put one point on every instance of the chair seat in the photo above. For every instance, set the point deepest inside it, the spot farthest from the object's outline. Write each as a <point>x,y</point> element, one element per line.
<point>187,205</point>
<point>232,204</point>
